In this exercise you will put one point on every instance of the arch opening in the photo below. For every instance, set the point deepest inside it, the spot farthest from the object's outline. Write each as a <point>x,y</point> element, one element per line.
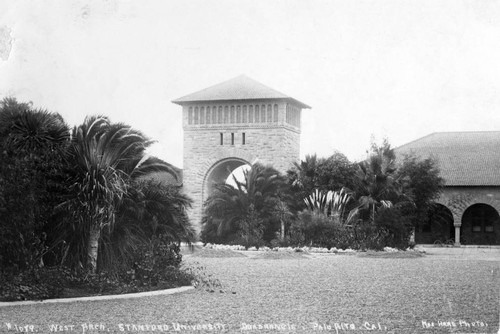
<point>222,172</point>
<point>238,174</point>
<point>480,225</point>
<point>438,226</point>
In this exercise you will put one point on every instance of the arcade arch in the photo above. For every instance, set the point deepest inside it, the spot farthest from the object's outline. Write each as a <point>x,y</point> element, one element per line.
<point>438,226</point>
<point>480,225</point>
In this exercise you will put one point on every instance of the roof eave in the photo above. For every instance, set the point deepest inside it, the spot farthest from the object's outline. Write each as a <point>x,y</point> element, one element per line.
<point>182,102</point>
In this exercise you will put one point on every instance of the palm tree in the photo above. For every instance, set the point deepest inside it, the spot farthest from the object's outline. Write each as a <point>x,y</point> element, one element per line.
<point>304,174</point>
<point>246,207</point>
<point>29,131</point>
<point>32,144</point>
<point>149,208</point>
<point>106,158</point>
<point>283,213</point>
<point>376,182</point>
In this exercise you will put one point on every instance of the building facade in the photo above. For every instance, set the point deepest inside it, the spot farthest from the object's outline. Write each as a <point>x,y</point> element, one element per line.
<point>467,211</point>
<point>238,122</point>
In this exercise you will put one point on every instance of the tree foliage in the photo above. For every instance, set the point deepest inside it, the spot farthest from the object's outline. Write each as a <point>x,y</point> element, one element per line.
<point>106,158</point>
<point>325,174</point>
<point>80,198</point>
<point>245,209</point>
<point>32,147</point>
<point>376,182</point>
<point>421,182</point>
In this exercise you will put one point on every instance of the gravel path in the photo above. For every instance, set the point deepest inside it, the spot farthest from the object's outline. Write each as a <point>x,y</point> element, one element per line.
<point>437,293</point>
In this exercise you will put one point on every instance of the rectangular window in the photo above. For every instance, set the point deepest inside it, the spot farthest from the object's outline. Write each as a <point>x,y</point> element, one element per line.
<point>243,138</point>
<point>221,138</point>
<point>232,138</point>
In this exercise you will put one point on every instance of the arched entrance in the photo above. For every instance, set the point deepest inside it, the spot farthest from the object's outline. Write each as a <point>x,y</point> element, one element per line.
<point>480,225</point>
<point>219,173</point>
<point>438,226</point>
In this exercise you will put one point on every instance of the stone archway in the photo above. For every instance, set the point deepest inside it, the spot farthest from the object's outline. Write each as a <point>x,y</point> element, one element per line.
<point>480,225</point>
<point>219,172</point>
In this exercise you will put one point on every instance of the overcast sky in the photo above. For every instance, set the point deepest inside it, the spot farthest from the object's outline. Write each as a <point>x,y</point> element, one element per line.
<point>396,69</point>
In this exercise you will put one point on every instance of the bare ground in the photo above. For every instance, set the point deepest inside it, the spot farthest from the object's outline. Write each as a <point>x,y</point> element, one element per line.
<point>449,290</point>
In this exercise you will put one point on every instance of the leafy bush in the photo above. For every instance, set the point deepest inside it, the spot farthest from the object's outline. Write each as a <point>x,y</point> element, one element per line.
<point>366,235</point>
<point>33,284</point>
<point>209,232</point>
<point>318,230</point>
<point>396,228</point>
<point>154,262</point>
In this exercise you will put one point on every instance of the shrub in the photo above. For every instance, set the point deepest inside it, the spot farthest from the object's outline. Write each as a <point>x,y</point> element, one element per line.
<point>395,227</point>
<point>318,230</point>
<point>154,262</point>
<point>33,284</point>
<point>366,235</point>
<point>209,233</point>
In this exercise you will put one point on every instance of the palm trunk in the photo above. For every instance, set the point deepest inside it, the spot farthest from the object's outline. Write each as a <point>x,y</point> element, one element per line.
<point>373,213</point>
<point>93,248</point>
<point>282,229</point>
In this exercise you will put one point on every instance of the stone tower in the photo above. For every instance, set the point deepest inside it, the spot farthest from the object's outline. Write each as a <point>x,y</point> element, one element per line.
<point>234,123</point>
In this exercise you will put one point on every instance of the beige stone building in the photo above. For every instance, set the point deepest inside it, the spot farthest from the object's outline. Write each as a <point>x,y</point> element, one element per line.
<point>231,124</point>
<point>467,211</point>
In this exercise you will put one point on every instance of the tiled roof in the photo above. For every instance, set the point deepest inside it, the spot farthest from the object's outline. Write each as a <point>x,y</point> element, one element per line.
<point>239,88</point>
<point>465,158</point>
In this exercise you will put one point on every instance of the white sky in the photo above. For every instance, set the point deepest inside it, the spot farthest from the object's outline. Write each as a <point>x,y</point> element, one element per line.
<point>394,68</point>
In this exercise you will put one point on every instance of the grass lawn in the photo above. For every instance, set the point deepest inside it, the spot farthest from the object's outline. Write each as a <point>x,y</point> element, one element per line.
<point>452,292</point>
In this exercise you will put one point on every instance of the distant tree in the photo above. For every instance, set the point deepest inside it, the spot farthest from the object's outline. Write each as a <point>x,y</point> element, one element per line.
<point>336,172</point>
<point>421,181</point>
<point>282,212</point>
<point>324,174</point>
<point>376,182</point>
<point>304,175</point>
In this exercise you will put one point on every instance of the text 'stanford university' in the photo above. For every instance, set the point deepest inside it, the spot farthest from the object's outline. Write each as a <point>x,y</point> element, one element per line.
<point>234,123</point>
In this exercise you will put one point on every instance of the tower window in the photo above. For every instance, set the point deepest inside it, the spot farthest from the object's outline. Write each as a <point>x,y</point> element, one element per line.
<point>190,115</point>
<point>238,114</point>
<point>202,115</point>
<point>208,116</point>
<point>269,113</point>
<point>221,138</point>
<point>232,114</point>
<point>243,138</point>
<point>250,114</point>
<point>214,115</point>
<point>232,138</point>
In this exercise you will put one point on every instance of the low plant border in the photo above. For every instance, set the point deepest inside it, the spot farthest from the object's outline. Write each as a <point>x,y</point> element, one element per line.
<point>306,249</point>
